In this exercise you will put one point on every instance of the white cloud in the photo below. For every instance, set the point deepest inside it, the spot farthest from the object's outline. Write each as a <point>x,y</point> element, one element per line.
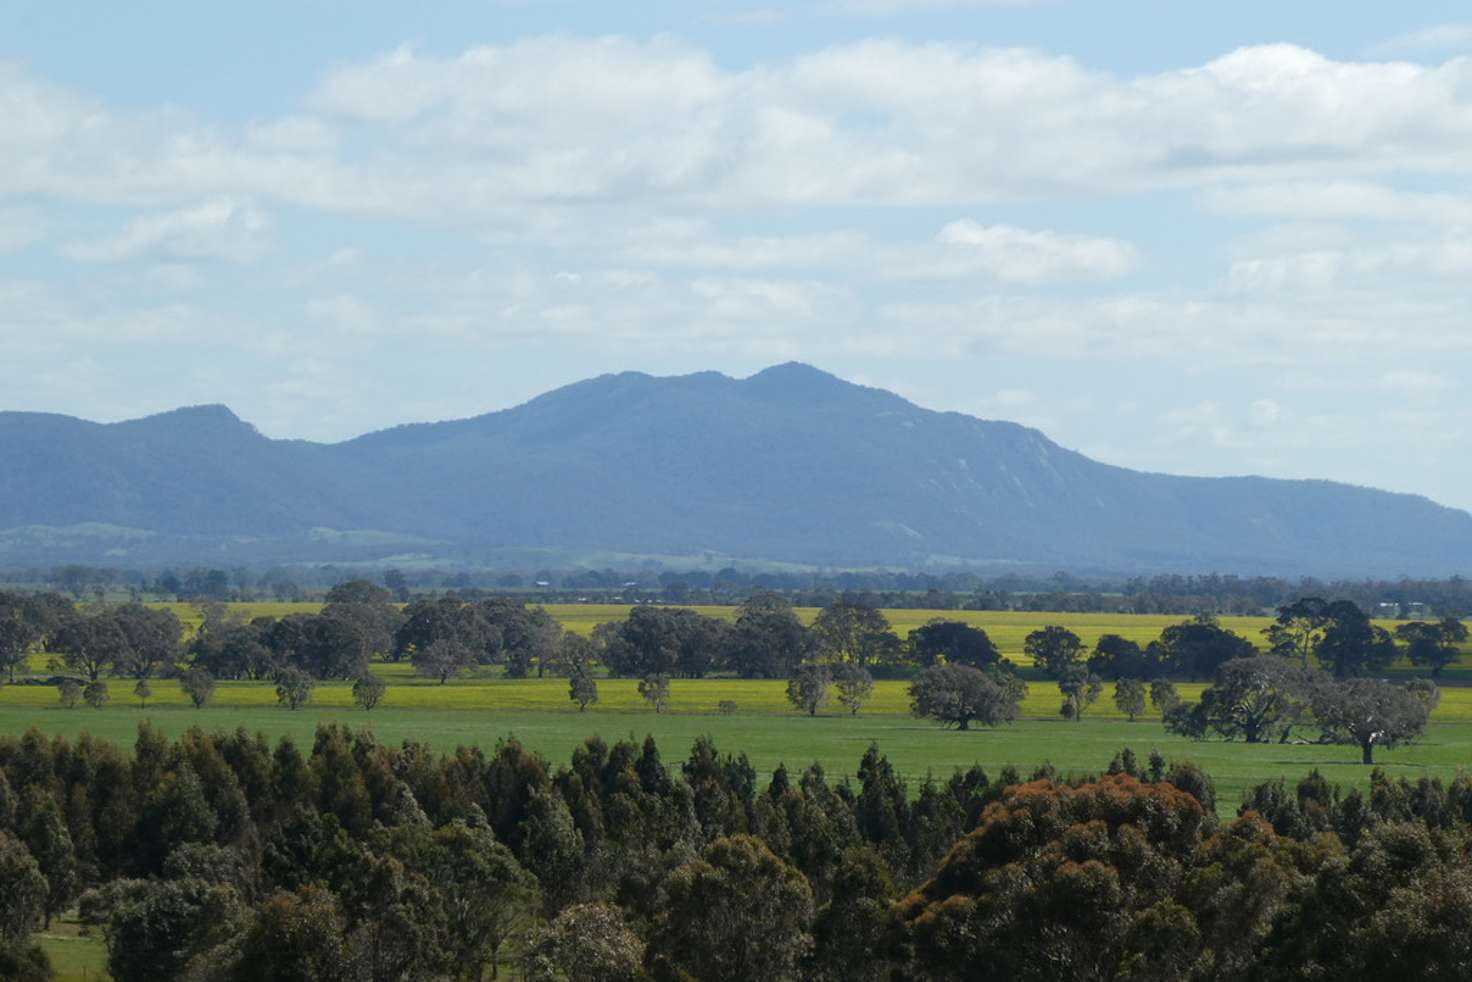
<point>502,131</point>
<point>1021,255</point>
<point>1341,200</point>
<point>961,249</point>
<point>1444,260</point>
<point>224,229</point>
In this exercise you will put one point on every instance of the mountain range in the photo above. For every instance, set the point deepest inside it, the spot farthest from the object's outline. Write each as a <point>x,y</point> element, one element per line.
<point>791,465</point>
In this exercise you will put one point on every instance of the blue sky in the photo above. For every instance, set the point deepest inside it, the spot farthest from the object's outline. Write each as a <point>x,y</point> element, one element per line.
<point>1207,239</point>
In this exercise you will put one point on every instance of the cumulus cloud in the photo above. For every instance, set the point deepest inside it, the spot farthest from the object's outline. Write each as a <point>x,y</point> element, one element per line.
<point>224,229</point>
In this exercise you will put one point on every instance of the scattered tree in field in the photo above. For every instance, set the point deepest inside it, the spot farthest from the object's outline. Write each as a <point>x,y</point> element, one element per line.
<point>953,643</point>
<point>92,643</point>
<point>153,639</point>
<point>368,691</point>
<point>655,689</point>
<point>726,707</point>
<point>530,637</point>
<point>662,641</point>
<point>957,694</point>
<point>1080,688</point>
<point>767,640</point>
<point>424,622</point>
<point>1163,696</point>
<point>1053,649</point>
<point>443,659</point>
<point>1115,657</point>
<point>582,689</point>
<point>1351,645</point>
<point>1257,699</point>
<point>1129,697</point>
<point>1433,645</point>
<point>808,688</point>
<point>199,686</point>
<point>1370,713</point>
<point>852,632</point>
<point>142,692</point>
<point>294,688</point>
<point>22,626</point>
<point>577,654</point>
<point>71,693</point>
<point>1425,690</point>
<point>854,684</point>
<point>1197,648</point>
<point>1298,629</point>
<point>95,694</point>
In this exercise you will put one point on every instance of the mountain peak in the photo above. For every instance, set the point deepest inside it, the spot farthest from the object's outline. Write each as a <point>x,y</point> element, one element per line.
<point>796,384</point>
<point>209,418</point>
<point>795,372</point>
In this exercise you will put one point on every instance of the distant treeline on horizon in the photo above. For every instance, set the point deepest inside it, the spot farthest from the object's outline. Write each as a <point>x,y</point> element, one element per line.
<point>955,590</point>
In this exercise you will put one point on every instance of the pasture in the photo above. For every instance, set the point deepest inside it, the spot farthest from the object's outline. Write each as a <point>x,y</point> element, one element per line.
<point>765,727</point>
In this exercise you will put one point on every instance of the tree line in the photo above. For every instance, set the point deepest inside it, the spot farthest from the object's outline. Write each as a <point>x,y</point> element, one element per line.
<point>1221,594</point>
<point>223,857</point>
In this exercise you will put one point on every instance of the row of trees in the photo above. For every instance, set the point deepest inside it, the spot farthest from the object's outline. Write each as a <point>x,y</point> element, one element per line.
<point>358,624</point>
<point>227,858</point>
<point>1262,699</point>
<point>449,636</point>
<point>1338,636</point>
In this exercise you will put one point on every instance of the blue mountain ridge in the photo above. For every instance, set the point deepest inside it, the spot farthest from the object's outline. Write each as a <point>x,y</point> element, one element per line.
<point>791,465</point>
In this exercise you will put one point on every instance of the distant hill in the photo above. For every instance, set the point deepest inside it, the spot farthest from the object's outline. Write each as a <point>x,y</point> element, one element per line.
<point>790,465</point>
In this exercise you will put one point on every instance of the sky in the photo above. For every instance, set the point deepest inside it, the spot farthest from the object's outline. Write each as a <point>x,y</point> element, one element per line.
<point>1182,237</point>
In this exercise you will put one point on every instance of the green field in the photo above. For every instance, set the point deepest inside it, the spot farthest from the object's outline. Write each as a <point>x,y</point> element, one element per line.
<point>74,957</point>
<point>538,712</point>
